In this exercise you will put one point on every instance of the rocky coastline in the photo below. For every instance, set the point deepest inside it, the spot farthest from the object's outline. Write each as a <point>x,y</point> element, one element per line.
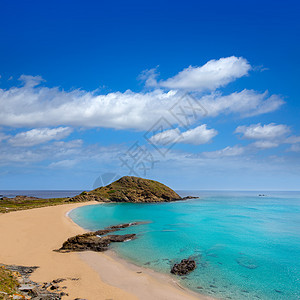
<point>97,241</point>
<point>27,289</point>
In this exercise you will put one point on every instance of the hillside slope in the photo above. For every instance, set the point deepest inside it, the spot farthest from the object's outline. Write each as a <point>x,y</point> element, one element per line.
<point>130,189</point>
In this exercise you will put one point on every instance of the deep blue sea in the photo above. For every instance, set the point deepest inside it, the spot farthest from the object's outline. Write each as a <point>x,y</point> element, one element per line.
<point>245,246</point>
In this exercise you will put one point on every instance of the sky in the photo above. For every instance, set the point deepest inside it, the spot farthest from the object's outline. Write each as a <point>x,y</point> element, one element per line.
<point>196,94</point>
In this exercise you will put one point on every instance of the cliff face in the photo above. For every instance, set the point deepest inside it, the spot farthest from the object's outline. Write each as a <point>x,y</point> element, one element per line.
<point>130,189</point>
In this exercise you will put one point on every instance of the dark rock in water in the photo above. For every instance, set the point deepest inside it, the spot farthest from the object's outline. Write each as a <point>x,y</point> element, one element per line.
<point>189,197</point>
<point>184,267</point>
<point>279,292</point>
<point>98,240</point>
<point>91,241</point>
<point>246,262</point>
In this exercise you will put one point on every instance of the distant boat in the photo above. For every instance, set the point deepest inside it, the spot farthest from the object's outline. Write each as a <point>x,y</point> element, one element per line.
<point>262,195</point>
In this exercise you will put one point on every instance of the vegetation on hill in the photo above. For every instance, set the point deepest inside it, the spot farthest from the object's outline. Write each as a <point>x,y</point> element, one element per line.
<point>8,283</point>
<point>23,202</point>
<point>131,189</point>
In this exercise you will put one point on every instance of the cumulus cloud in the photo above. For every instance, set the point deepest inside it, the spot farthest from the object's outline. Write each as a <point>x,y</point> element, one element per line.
<point>35,106</point>
<point>246,103</point>
<point>39,136</point>
<point>212,75</point>
<point>267,132</point>
<point>195,136</point>
<point>267,136</point>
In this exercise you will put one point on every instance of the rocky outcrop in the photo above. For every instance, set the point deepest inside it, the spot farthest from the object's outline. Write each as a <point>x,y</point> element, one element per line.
<point>184,267</point>
<point>189,197</point>
<point>131,189</point>
<point>98,240</point>
<point>28,289</point>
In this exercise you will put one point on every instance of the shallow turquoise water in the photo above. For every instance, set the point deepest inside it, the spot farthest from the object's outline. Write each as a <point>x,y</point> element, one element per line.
<point>246,247</point>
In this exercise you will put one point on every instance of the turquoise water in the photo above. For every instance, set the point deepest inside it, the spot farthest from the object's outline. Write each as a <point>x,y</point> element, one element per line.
<point>246,247</point>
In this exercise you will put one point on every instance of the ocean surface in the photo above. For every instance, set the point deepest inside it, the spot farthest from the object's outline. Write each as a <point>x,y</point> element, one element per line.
<point>40,194</point>
<point>245,246</point>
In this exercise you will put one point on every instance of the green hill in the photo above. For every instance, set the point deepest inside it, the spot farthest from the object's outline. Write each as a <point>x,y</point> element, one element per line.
<point>130,189</point>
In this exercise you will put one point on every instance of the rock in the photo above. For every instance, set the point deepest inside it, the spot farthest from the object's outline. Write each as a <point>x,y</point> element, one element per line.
<point>58,280</point>
<point>184,267</point>
<point>98,240</point>
<point>247,262</point>
<point>46,285</point>
<point>93,242</point>
<point>54,287</point>
<point>26,287</point>
<point>189,197</point>
<point>29,289</point>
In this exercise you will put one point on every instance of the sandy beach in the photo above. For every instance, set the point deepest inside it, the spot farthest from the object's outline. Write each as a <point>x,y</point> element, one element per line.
<point>28,238</point>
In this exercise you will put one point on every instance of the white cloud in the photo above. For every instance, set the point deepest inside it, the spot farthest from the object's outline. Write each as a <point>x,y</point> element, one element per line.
<point>39,136</point>
<point>265,144</point>
<point>195,136</point>
<point>166,137</point>
<point>226,152</point>
<point>60,153</point>
<point>34,106</point>
<point>295,148</point>
<point>246,103</point>
<point>267,132</point>
<point>31,81</point>
<point>3,136</point>
<point>212,75</point>
<point>66,163</point>
<point>293,140</point>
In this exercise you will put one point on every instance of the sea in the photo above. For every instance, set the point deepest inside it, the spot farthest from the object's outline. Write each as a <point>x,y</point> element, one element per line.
<point>246,244</point>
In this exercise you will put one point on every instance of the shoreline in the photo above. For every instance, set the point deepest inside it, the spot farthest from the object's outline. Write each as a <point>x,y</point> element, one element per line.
<point>96,260</point>
<point>29,237</point>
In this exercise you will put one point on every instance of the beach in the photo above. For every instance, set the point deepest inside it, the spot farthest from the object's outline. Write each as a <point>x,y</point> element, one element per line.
<point>29,237</point>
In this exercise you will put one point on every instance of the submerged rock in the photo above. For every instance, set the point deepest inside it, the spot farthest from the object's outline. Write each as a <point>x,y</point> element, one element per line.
<point>184,267</point>
<point>247,262</point>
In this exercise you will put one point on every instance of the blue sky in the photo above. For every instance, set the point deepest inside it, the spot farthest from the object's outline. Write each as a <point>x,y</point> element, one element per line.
<point>198,95</point>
